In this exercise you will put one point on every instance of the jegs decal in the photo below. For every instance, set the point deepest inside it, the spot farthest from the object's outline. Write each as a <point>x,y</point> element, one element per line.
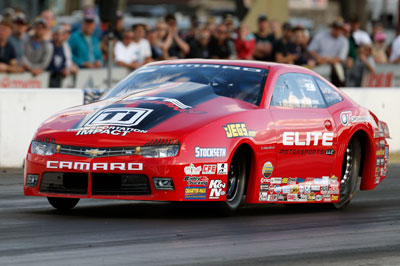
<point>236,130</point>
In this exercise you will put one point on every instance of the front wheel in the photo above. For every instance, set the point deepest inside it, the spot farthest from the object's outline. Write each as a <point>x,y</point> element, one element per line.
<point>350,173</point>
<point>236,184</point>
<point>63,203</point>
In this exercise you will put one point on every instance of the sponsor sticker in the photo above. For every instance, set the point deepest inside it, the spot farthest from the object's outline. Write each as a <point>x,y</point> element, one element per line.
<point>209,169</point>
<point>217,189</point>
<point>276,180</point>
<point>192,170</point>
<point>334,197</point>
<point>195,193</point>
<point>278,189</point>
<point>345,117</point>
<point>292,197</point>
<point>263,196</point>
<point>222,168</point>
<point>236,130</point>
<point>307,138</point>
<point>264,187</point>
<point>200,152</point>
<point>196,180</point>
<point>267,169</point>
<point>286,189</point>
<point>125,117</point>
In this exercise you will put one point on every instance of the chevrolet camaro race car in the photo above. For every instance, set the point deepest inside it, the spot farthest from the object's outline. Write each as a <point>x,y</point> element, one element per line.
<point>211,130</point>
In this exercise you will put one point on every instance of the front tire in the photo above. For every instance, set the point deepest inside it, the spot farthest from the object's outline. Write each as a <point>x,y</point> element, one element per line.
<point>350,173</point>
<point>236,184</point>
<point>63,203</point>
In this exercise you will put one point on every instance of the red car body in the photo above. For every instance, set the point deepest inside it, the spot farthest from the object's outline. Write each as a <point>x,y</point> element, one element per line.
<point>295,153</point>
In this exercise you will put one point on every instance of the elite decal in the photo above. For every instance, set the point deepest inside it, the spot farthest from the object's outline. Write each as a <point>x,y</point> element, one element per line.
<point>312,138</point>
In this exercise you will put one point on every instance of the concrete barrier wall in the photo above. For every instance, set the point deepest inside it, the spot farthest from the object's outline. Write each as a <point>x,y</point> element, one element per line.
<point>22,111</point>
<point>385,103</point>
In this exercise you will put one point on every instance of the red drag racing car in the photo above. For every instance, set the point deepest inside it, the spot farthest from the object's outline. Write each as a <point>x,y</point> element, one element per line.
<point>211,130</point>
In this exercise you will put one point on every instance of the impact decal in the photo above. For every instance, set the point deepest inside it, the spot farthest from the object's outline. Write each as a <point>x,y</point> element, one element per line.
<point>236,130</point>
<point>311,138</point>
<point>267,169</point>
<point>195,193</point>
<point>209,152</point>
<point>192,170</point>
<point>94,166</point>
<point>222,168</point>
<point>217,189</point>
<point>108,130</point>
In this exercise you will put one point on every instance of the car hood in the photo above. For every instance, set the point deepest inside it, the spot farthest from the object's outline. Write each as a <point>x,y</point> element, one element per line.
<point>153,115</point>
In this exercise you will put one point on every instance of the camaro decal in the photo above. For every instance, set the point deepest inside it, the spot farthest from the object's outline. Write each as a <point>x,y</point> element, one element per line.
<point>94,166</point>
<point>312,138</point>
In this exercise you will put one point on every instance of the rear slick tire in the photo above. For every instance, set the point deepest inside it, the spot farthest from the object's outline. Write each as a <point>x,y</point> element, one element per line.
<point>350,173</point>
<point>63,204</point>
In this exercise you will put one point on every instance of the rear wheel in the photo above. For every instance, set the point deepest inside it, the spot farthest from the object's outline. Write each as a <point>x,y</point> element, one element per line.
<point>350,173</point>
<point>63,203</point>
<point>236,183</point>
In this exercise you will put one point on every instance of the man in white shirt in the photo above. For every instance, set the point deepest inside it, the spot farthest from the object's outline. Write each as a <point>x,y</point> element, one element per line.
<point>395,55</point>
<point>142,45</point>
<point>125,51</point>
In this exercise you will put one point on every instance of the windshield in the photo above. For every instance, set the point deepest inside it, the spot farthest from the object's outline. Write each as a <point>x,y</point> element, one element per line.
<point>242,83</point>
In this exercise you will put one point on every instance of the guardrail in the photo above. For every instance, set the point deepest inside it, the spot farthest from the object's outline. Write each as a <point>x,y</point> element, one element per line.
<point>22,111</point>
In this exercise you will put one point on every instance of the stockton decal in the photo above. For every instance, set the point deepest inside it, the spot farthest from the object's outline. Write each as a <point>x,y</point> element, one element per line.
<point>209,152</point>
<point>236,130</point>
<point>94,166</point>
<point>312,138</point>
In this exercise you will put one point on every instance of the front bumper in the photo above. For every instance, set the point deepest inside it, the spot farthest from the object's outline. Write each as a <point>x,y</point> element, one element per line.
<point>124,177</point>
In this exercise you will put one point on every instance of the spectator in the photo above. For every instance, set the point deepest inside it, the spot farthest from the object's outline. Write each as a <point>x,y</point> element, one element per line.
<point>177,47</point>
<point>19,36</point>
<point>395,54</point>
<point>124,51</point>
<point>37,51</point>
<point>264,43</point>
<point>221,46</point>
<point>189,35</point>
<point>142,49</point>
<point>230,27</point>
<point>117,34</point>
<point>276,31</point>
<point>331,47</point>
<point>156,38</point>
<point>8,13</point>
<point>61,61</point>
<point>364,62</point>
<point>85,45</point>
<point>48,15</point>
<point>245,43</point>
<point>199,46</point>
<point>67,31</point>
<point>299,48</point>
<point>8,58</point>
<point>284,50</point>
<point>379,48</point>
<point>360,36</point>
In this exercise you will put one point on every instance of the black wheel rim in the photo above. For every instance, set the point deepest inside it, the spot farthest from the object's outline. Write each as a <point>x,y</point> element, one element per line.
<point>233,181</point>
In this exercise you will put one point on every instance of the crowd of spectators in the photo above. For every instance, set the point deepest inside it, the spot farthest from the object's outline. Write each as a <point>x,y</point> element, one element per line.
<point>44,46</point>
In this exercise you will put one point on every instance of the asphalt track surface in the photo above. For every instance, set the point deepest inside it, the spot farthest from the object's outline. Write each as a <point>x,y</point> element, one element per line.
<point>105,232</point>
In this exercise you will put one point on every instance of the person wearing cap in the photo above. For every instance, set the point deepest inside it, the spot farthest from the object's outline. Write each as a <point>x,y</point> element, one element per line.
<point>8,58</point>
<point>264,43</point>
<point>85,45</point>
<point>331,47</point>
<point>379,48</point>
<point>37,52</point>
<point>61,61</point>
<point>19,35</point>
<point>395,55</point>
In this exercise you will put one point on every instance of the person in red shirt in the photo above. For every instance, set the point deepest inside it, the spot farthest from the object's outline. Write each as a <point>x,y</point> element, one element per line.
<point>245,43</point>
